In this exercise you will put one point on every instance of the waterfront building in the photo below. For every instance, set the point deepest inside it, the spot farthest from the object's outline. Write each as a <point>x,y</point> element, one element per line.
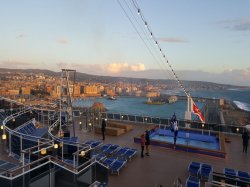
<point>76,91</point>
<point>26,90</point>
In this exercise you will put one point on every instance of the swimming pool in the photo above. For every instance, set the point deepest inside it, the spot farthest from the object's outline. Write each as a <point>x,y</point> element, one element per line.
<point>193,141</point>
<point>189,138</point>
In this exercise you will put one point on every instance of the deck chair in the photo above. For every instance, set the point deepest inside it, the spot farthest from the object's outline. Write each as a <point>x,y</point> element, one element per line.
<point>205,171</point>
<point>244,177</point>
<point>192,182</point>
<point>109,161</point>
<point>117,165</point>
<point>130,153</point>
<point>230,175</point>
<point>194,168</point>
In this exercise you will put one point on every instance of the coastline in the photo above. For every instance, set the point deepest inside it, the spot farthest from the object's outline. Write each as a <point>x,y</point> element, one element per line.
<point>234,115</point>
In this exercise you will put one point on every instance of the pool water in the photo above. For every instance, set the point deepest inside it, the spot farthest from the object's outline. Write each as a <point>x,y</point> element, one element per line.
<point>187,138</point>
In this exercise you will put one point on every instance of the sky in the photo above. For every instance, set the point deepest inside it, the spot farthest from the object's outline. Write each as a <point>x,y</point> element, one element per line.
<point>210,38</point>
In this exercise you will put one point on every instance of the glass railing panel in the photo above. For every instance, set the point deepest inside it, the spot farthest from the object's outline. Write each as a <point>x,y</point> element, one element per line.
<point>117,116</point>
<point>155,120</point>
<point>124,117</point>
<point>139,119</point>
<point>110,116</point>
<point>131,118</point>
<point>164,121</point>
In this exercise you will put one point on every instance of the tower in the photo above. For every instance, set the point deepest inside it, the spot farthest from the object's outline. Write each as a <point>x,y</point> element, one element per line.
<point>66,92</point>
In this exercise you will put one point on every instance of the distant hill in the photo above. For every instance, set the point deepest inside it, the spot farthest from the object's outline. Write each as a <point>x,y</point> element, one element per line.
<point>108,79</point>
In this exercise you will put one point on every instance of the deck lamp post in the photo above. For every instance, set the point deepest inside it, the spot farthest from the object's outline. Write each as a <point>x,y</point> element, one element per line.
<point>237,129</point>
<point>56,146</point>
<point>43,151</point>
<point>96,123</point>
<point>146,119</point>
<point>4,137</point>
<point>90,126</point>
<point>80,123</point>
<point>122,117</point>
<point>82,153</point>
<point>202,127</point>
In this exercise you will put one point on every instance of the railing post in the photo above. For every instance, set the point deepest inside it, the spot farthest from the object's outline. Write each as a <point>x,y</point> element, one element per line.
<point>21,147</point>
<point>9,144</point>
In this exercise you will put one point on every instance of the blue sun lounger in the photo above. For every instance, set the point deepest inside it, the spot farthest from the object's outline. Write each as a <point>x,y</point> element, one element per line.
<point>194,168</point>
<point>205,171</point>
<point>192,182</point>
<point>111,149</point>
<point>92,143</point>
<point>243,176</point>
<point>117,165</point>
<point>109,161</point>
<point>130,153</point>
<point>230,175</point>
<point>100,157</point>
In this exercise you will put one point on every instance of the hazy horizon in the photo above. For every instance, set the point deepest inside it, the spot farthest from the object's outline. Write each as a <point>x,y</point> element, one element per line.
<point>159,74</point>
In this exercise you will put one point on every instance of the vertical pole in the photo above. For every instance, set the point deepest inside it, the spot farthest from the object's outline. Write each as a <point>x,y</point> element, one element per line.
<point>60,120</point>
<point>62,150</point>
<point>9,144</point>
<point>21,146</point>
<point>77,156</point>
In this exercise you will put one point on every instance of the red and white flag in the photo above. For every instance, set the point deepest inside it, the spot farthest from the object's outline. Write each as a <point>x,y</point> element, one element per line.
<point>196,110</point>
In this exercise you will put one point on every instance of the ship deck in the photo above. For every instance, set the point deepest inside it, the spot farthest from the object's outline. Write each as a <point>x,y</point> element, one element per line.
<point>164,165</point>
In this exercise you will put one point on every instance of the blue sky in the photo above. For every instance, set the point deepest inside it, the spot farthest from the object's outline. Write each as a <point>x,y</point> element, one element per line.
<point>96,37</point>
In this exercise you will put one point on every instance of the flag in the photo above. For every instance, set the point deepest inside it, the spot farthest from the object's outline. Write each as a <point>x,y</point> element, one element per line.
<point>196,110</point>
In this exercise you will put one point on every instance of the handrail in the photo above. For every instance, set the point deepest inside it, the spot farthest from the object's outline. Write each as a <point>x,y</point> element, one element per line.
<point>212,127</point>
<point>6,120</point>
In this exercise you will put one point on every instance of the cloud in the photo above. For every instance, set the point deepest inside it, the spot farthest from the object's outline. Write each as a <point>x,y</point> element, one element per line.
<point>14,63</point>
<point>121,67</point>
<point>172,40</point>
<point>237,24</point>
<point>104,69</point>
<point>246,72</point>
<point>61,65</point>
<point>20,36</point>
<point>63,41</point>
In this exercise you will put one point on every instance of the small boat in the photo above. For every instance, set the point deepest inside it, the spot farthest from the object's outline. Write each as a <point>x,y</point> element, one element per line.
<point>112,98</point>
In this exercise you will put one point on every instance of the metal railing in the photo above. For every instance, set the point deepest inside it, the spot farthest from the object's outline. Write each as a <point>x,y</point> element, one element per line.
<point>149,120</point>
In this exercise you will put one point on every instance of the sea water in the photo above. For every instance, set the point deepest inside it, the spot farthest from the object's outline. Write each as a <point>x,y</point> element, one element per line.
<point>136,105</point>
<point>240,97</point>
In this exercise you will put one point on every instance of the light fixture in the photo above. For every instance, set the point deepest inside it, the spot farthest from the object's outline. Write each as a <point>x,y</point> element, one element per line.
<point>80,123</point>
<point>1,127</point>
<point>4,136</point>
<point>13,119</point>
<point>82,153</point>
<point>106,119</point>
<point>56,146</point>
<point>90,124</point>
<point>96,118</point>
<point>61,144</point>
<point>237,129</point>
<point>43,151</point>
<point>202,125</point>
